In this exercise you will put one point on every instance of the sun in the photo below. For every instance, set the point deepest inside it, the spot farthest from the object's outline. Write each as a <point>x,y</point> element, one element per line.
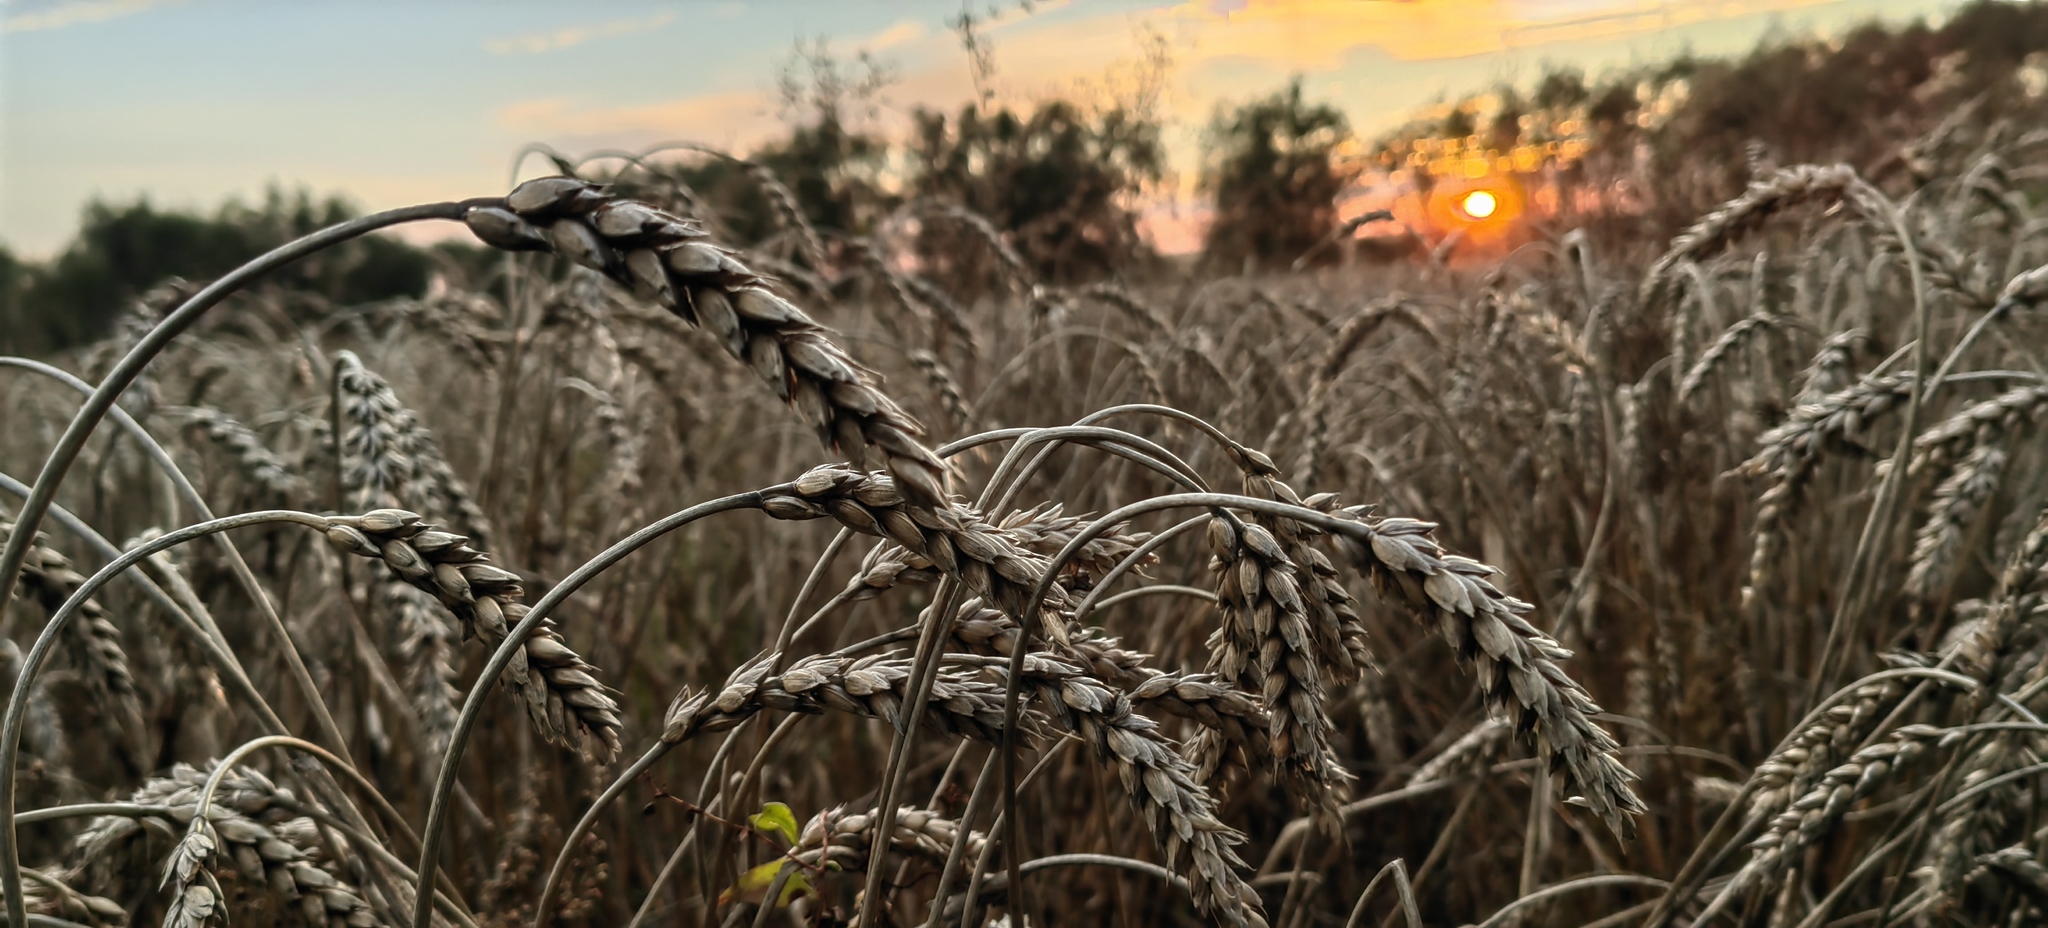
<point>1479,204</point>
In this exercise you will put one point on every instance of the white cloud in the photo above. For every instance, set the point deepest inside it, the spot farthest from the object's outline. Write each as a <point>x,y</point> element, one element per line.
<point>903,33</point>
<point>535,43</point>
<point>59,15</point>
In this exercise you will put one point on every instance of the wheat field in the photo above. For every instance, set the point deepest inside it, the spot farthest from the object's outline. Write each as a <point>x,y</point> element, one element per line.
<point>645,575</point>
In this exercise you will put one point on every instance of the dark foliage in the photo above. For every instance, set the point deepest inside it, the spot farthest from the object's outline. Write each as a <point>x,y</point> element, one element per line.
<point>1275,176</point>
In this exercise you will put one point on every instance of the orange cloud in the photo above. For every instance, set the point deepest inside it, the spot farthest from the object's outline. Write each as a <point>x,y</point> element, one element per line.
<point>732,119</point>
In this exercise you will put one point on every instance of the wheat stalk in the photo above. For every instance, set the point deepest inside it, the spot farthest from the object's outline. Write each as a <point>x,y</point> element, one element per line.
<point>994,563</point>
<point>1516,663</point>
<point>1957,505</point>
<point>567,704</point>
<point>95,644</point>
<point>665,259</point>
<point>251,826</point>
<point>1765,197</point>
<point>261,467</point>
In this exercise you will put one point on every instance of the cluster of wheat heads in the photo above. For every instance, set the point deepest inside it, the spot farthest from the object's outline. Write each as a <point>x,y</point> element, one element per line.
<point>1120,653</point>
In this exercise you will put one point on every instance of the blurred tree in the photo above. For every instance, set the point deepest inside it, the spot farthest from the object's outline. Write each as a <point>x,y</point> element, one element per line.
<point>122,250</point>
<point>830,161</point>
<point>1275,173</point>
<point>1059,179</point>
<point>13,279</point>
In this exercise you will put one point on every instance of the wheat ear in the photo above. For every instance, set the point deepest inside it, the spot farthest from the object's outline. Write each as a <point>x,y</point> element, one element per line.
<point>1764,197</point>
<point>381,468</point>
<point>994,563</point>
<point>1160,782</point>
<point>667,260</point>
<point>94,642</point>
<point>566,702</point>
<point>1812,814</point>
<point>1266,641</point>
<point>1206,699</point>
<point>1517,664</point>
<point>251,829</point>
<point>1957,505</point>
<point>261,467</point>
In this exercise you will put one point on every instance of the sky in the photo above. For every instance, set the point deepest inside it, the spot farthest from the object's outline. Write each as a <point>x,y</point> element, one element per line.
<point>390,102</point>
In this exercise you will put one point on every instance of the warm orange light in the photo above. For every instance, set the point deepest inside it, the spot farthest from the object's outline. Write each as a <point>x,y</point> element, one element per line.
<point>1479,204</point>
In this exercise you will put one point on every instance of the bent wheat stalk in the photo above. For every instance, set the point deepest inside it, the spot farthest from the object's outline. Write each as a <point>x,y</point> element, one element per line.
<point>668,260</point>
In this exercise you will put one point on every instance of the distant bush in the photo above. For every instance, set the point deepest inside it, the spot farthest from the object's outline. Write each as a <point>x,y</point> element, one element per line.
<point>122,250</point>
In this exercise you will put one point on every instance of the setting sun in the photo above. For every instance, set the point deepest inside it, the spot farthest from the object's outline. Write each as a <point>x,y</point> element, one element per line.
<point>1479,204</point>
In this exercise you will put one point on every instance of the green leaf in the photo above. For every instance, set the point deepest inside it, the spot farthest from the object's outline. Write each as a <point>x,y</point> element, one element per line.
<point>775,819</point>
<point>753,884</point>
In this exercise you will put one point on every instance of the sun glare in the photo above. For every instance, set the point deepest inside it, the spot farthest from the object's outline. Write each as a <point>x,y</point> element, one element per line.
<point>1478,204</point>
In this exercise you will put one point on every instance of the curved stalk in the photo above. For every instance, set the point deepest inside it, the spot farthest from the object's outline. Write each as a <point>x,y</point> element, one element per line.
<point>130,366</point>
<point>39,654</point>
<point>618,785</point>
<point>472,706</point>
<point>302,678</point>
<point>1012,705</point>
<point>1589,882</point>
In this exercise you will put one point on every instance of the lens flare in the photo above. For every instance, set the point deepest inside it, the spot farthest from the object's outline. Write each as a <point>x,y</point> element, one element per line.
<point>1479,204</point>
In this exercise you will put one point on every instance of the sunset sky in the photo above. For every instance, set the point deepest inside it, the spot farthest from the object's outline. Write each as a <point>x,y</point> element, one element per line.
<point>397,102</point>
